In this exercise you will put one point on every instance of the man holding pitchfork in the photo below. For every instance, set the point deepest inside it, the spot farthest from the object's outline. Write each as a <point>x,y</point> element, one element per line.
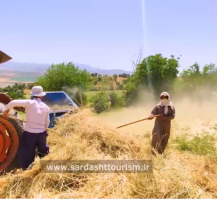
<point>165,112</point>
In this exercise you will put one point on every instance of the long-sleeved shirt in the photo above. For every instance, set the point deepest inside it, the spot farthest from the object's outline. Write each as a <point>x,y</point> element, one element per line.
<point>37,114</point>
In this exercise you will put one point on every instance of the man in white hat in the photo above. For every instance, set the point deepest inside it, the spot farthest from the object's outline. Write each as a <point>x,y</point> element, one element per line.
<point>35,131</point>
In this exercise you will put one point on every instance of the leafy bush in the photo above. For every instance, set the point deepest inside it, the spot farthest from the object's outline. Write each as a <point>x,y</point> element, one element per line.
<point>77,98</point>
<point>115,100</point>
<point>16,95</point>
<point>30,85</point>
<point>119,86</point>
<point>100,102</point>
<point>202,145</point>
<point>16,91</point>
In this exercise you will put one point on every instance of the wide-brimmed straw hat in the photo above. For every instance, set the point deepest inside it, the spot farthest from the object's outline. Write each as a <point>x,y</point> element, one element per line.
<point>37,91</point>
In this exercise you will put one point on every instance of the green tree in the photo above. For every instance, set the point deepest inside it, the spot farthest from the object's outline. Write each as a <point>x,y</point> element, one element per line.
<point>64,75</point>
<point>193,72</point>
<point>198,83</point>
<point>190,78</point>
<point>209,69</point>
<point>115,77</point>
<point>105,83</point>
<point>155,73</point>
<point>124,81</point>
<point>209,74</point>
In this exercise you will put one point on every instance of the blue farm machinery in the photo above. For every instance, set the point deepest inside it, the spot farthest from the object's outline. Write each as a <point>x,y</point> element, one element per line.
<point>59,103</point>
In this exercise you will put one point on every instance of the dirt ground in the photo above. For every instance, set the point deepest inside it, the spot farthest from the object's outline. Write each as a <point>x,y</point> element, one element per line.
<point>4,82</point>
<point>193,115</point>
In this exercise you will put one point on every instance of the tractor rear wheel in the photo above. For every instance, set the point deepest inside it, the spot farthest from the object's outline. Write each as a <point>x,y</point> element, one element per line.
<point>10,133</point>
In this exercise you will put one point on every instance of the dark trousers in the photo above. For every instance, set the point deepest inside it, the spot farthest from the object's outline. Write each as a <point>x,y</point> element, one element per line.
<point>28,144</point>
<point>159,142</point>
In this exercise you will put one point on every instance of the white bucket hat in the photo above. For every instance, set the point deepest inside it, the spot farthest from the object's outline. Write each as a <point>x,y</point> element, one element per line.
<point>37,91</point>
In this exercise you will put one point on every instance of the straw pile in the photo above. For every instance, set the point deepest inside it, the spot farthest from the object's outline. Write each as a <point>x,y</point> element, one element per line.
<point>57,107</point>
<point>179,175</point>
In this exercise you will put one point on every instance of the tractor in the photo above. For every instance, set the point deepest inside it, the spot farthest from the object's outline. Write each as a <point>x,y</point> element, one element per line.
<point>11,130</point>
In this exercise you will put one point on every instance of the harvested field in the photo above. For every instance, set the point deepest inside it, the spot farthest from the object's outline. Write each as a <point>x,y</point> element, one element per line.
<point>181,174</point>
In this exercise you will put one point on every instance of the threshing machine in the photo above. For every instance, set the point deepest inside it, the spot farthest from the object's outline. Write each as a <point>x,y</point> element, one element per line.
<point>11,130</point>
<point>63,103</point>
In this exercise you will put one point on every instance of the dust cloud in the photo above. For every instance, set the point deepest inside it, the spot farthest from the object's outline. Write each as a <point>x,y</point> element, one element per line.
<point>71,91</point>
<point>195,113</point>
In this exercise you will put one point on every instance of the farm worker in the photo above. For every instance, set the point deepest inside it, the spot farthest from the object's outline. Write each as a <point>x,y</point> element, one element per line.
<point>161,130</point>
<point>35,131</point>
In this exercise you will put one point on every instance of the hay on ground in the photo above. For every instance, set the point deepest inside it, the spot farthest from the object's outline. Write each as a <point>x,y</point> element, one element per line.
<point>85,137</point>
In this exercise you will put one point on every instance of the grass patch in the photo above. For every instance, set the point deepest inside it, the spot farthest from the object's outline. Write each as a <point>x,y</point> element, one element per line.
<point>92,93</point>
<point>28,96</point>
<point>201,145</point>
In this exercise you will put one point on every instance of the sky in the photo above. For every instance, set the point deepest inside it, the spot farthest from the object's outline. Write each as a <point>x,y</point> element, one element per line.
<point>108,34</point>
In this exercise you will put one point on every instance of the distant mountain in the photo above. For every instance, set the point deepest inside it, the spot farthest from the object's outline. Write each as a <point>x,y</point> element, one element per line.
<point>33,67</point>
